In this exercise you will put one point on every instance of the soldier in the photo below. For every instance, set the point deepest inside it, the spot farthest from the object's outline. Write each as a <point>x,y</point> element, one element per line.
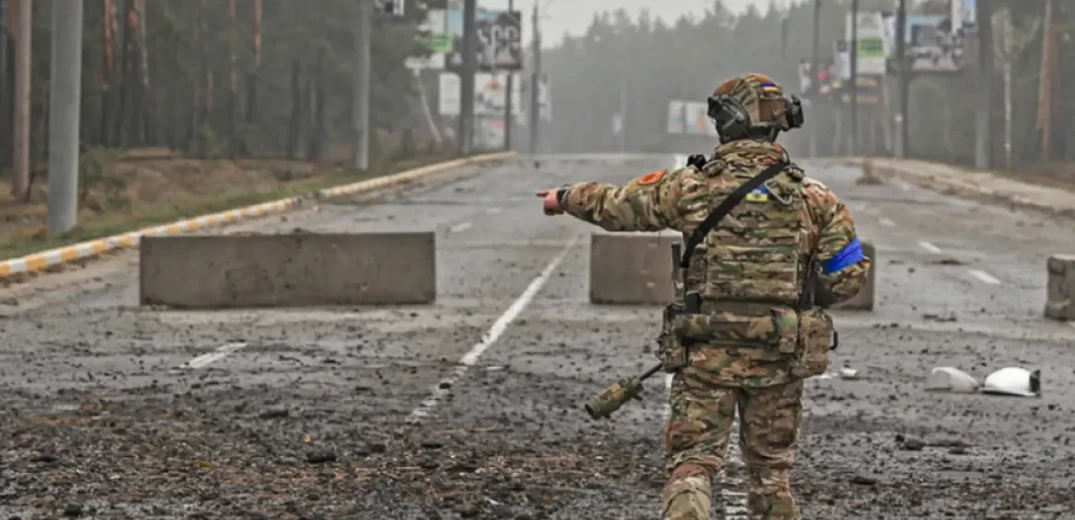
<point>764,274</point>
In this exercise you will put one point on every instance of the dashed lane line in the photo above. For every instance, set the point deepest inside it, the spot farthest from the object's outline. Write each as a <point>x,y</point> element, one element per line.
<point>929,247</point>
<point>214,356</point>
<point>493,211</point>
<point>984,277</point>
<point>462,226</point>
<point>887,222</point>
<point>490,337</point>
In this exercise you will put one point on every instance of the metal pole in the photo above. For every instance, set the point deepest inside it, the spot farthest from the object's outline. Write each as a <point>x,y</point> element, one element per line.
<point>508,116</point>
<point>361,109</point>
<point>535,85</point>
<point>814,82</point>
<point>854,50</point>
<point>64,115</point>
<point>902,81</point>
<point>466,85</point>
<point>623,117</point>
<point>985,82</point>
<point>20,186</point>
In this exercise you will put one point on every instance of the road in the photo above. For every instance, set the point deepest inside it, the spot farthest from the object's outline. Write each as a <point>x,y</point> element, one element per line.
<point>470,407</point>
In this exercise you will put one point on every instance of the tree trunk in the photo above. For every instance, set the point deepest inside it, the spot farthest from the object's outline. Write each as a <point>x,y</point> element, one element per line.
<point>107,74</point>
<point>252,94</point>
<point>233,84</point>
<point>195,115</point>
<point>5,98</point>
<point>207,75</point>
<point>295,124</point>
<point>147,104</point>
<point>316,95</point>
<point>120,137</point>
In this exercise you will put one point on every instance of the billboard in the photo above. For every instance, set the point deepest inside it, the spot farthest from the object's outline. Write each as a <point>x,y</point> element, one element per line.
<point>871,43</point>
<point>932,43</point>
<point>499,39</point>
<point>434,39</point>
<point>490,94</point>
<point>690,117</point>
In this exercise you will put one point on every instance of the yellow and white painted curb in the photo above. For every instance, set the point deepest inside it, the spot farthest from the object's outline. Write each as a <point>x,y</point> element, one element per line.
<point>44,260</point>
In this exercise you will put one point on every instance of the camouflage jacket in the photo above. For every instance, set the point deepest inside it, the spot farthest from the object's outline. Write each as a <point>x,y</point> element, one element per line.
<point>679,200</point>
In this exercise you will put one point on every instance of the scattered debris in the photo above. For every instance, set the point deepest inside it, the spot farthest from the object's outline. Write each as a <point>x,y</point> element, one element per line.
<point>863,481</point>
<point>275,413</point>
<point>949,379</point>
<point>910,443</point>
<point>847,372</point>
<point>869,175</point>
<point>1014,381</point>
<point>321,457</point>
<point>948,261</point>
<point>951,318</point>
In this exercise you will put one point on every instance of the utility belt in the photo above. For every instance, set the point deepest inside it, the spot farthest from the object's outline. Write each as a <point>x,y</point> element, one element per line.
<point>805,337</point>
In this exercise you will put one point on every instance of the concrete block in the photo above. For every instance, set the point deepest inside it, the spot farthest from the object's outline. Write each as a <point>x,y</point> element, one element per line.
<point>864,300</point>
<point>293,270</point>
<point>631,268</point>
<point>1060,301</point>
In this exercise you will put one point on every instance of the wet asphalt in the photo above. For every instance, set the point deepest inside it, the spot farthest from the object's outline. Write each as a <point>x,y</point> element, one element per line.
<point>471,407</point>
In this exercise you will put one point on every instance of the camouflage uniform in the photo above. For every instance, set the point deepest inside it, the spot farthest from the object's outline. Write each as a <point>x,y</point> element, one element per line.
<point>756,343</point>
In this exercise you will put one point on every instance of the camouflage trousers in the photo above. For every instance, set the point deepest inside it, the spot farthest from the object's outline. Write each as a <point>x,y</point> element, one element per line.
<point>696,437</point>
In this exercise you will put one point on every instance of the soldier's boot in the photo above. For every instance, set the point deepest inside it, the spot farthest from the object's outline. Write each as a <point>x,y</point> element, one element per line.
<point>771,504</point>
<point>687,494</point>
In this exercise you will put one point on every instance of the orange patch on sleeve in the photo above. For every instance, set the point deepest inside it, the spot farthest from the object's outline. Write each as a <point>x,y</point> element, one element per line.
<point>651,178</point>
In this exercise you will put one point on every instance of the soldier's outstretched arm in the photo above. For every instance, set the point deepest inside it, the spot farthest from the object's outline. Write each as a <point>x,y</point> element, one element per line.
<point>839,251</point>
<point>647,203</point>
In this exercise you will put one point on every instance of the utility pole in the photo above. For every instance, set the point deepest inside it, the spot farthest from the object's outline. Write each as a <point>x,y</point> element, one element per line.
<point>985,81</point>
<point>64,115</point>
<point>20,186</point>
<point>508,116</point>
<point>903,80</point>
<point>466,85</point>
<point>361,109</point>
<point>535,85</point>
<point>854,50</point>
<point>814,64</point>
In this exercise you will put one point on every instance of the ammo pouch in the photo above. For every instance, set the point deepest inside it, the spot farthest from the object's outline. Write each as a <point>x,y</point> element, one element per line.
<point>671,351</point>
<point>779,330</point>
<point>816,338</point>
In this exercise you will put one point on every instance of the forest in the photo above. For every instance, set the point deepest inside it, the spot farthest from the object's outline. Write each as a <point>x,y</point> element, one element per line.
<point>647,62</point>
<point>220,78</point>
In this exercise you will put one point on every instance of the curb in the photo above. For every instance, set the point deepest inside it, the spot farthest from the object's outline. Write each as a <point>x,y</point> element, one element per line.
<point>53,257</point>
<point>967,186</point>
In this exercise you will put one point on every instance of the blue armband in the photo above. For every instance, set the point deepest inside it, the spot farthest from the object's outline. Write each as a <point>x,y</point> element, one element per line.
<point>850,255</point>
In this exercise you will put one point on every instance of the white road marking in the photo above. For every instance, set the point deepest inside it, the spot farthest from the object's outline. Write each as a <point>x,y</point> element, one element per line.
<point>1072,323</point>
<point>887,222</point>
<point>214,356</point>
<point>929,247</point>
<point>735,502</point>
<point>444,387</point>
<point>984,276</point>
<point>493,211</point>
<point>462,226</point>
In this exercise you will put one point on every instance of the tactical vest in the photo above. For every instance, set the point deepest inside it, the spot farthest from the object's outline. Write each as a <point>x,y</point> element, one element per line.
<point>754,254</point>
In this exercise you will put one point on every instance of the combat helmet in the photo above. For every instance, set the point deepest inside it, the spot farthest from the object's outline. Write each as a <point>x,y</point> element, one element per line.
<point>753,106</point>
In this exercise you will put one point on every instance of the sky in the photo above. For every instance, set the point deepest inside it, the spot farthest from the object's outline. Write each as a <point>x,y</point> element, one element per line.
<point>574,16</point>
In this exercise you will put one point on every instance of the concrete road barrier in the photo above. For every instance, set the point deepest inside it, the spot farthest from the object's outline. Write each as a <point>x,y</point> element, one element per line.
<point>1060,302</point>
<point>864,300</point>
<point>631,268</point>
<point>292,270</point>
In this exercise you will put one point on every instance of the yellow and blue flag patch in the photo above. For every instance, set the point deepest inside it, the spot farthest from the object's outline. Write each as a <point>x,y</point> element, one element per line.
<point>769,87</point>
<point>758,195</point>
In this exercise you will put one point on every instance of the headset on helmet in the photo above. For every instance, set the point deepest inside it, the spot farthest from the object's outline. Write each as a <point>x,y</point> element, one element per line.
<point>732,119</point>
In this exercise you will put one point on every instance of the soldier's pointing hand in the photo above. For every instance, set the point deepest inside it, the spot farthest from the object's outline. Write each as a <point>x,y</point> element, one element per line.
<point>551,204</point>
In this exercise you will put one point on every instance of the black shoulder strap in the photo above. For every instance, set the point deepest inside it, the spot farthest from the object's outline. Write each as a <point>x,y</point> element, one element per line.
<point>724,208</point>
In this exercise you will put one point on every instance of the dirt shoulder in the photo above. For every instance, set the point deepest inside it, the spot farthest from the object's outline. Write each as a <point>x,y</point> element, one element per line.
<point>125,193</point>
